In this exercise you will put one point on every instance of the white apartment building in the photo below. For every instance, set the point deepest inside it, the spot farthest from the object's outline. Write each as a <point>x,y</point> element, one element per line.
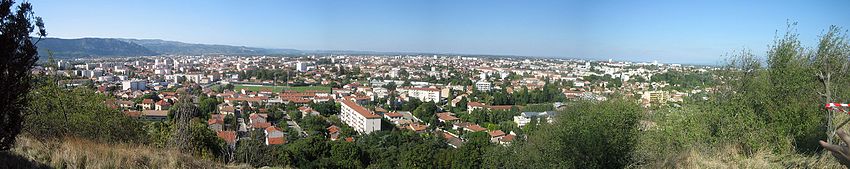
<point>301,66</point>
<point>359,118</point>
<point>423,94</point>
<point>483,85</point>
<point>525,117</point>
<point>134,85</point>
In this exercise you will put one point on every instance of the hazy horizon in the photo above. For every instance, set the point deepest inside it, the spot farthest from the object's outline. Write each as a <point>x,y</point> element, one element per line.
<point>667,31</point>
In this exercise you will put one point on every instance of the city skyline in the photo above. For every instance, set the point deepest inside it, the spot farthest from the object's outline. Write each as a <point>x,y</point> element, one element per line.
<point>668,31</point>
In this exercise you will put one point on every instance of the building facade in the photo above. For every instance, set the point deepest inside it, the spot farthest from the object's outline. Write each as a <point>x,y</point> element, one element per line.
<point>359,118</point>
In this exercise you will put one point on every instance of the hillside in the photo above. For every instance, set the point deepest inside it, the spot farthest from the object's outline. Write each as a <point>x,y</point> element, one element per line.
<point>109,47</point>
<point>180,48</point>
<point>86,47</point>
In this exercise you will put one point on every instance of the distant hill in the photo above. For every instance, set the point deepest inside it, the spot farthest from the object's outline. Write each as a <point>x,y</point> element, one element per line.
<point>109,47</point>
<point>180,48</point>
<point>86,47</point>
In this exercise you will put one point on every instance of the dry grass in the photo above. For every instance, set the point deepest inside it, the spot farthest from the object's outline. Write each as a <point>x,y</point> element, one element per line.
<point>79,153</point>
<point>734,157</point>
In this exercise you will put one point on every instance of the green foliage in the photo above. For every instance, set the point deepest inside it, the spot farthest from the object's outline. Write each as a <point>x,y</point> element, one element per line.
<point>612,82</point>
<point>159,133</point>
<point>257,154</point>
<point>775,107</point>
<point>19,54</point>
<point>207,106</point>
<point>326,108</point>
<point>205,143</point>
<point>586,135</point>
<point>684,81</point>
<point>79,112</point>
<point>426,112</point>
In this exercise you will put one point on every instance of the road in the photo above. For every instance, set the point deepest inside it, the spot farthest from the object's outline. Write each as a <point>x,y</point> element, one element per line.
<point>294,125</point>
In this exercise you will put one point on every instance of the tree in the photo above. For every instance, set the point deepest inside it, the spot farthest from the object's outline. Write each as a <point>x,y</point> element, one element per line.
<point>206,144</point>
<point>207,106</point>
<point>18,54</point>
<point>426,111</point>
<point>586,135</point>
<point>830,60</point>
<point>325,108</point>
<point>391,86</point>
<point>183,112</point>
<point>345,155</point>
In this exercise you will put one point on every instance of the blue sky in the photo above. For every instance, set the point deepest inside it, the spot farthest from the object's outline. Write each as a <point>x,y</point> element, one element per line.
<point>668,31</point>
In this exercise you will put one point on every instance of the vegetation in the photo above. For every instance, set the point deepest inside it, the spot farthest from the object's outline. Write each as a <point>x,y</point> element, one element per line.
<point>79,112</point>
<point>761,114</point>
<point>18,57</point>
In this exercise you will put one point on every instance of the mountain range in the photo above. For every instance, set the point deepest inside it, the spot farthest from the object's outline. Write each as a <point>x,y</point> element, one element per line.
<point>120,47</point>
<point>115,47</point>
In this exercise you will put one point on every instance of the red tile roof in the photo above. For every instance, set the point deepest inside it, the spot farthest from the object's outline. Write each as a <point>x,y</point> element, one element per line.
<point>507,138</point>
<point>261,125</point>
<point>503,107</point>
<point>272,129</point>
<point>394,114</point>
<point>228,109</point>
<point>446,117</point>
<point>258,115</point>
<point>333,129</point>
<point>417,127</point>
<point>475,104</point>
<point>215,121</point>
<point>497,133</point>
<point>227,136</point>
<point>161,113</point>
<point>475,128</point>
<point>132,113</point>
<point>276,140</point>
<point>163,103</point>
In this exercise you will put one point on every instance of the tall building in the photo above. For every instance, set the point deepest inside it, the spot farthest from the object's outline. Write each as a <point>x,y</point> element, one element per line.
<point>134,85</point>
<point>61,65</point>
<point>359,118</point>
<point>423,94</point>
<point>483,85</point>
<point>301,66</point>
<point>654,97</point>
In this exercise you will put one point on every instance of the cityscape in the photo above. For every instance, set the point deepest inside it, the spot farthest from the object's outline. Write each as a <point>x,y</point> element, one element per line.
<point>91,97</point>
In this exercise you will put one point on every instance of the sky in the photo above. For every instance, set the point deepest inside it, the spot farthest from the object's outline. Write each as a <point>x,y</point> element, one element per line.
<point>695,32</point>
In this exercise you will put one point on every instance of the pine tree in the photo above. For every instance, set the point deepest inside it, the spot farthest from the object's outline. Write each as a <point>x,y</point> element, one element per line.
<point>18,55</point>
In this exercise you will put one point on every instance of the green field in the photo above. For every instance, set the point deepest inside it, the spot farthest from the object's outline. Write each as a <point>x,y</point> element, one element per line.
<point>277,89</point>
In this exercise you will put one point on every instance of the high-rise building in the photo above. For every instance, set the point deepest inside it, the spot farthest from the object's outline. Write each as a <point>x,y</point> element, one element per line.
<point>134,85</point>
<point>359,118</point>
<point>483,85</point>
<point>301,66</point>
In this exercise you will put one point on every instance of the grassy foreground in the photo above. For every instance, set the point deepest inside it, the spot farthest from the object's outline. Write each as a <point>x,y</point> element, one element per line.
<point>79,153</point>
<point>736,157</point>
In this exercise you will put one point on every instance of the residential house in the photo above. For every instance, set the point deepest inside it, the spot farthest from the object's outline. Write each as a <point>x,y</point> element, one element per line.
<point>162,105</point>
<point>147,104</point>
<point>274,136</point>
<point>155,115</point>
<point>446,117</point>
<point>333,132</point>
<point>229,137</point>
<point>306,111</point>
<point>216,122</point>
